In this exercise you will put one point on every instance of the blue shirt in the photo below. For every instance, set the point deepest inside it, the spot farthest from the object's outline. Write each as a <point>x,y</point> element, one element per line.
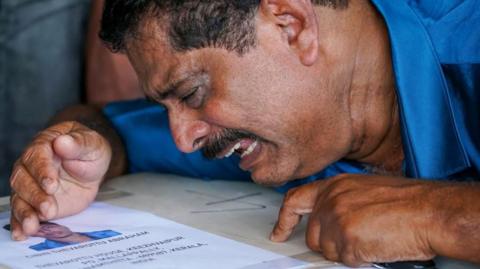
<point>436,56</point>
<point>436,59</point>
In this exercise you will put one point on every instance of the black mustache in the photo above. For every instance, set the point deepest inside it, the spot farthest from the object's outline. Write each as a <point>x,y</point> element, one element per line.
<point>217,143</point>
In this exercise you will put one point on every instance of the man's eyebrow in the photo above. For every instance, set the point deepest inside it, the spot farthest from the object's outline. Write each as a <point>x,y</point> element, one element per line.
<point>171,87</point>
<point>168,90</point>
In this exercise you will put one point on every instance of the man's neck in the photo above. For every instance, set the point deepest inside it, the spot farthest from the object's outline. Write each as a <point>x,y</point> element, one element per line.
<point>373,102</point>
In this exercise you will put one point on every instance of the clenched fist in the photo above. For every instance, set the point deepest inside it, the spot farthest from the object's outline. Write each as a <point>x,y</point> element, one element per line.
<point>361,219</point>
<point>58,175</point>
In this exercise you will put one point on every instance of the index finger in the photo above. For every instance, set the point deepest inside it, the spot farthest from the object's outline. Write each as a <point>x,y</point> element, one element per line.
<point>298,202</point>
<point>40,162</point>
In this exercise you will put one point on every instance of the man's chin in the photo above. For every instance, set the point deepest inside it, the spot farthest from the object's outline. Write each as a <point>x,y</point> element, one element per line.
<point>273,174</point>
<point>269,181</point>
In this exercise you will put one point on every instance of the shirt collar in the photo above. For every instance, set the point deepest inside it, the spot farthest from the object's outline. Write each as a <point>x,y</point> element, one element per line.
<point>430,135</point>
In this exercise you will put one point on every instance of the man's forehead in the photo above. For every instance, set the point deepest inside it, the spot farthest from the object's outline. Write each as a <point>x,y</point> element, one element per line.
<point>158,65</point>
<point>152,60</point>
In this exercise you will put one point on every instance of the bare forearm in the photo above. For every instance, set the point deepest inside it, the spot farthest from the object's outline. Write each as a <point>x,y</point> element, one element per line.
<point>459,213</point>
<point>92,117</point>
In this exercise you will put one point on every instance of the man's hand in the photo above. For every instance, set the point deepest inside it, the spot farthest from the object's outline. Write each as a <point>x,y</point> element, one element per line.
<point>360,219</point>
<point>58,175</point>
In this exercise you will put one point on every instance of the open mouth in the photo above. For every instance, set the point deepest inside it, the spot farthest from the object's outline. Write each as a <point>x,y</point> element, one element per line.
<point>228,142</point>
<point>242,147</point>
<point>248,150</point>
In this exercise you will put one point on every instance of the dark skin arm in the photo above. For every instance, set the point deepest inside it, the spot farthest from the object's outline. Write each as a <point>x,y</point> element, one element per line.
<point>92,117</point>
<point>61,170</point>
<point>360,219</point>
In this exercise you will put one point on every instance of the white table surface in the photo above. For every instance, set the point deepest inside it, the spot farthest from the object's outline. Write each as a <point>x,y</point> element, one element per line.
<point>240,211</point>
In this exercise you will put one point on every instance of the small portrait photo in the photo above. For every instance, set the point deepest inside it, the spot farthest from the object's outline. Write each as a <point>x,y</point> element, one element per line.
<point>57,235</point>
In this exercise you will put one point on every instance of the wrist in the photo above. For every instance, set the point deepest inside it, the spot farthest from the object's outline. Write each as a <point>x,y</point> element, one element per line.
<point>451,218</point>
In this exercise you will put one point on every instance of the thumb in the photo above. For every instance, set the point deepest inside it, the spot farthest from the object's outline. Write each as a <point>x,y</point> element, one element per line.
<point>81,145</point>
<point>297,202</point>
<point>84,153</point>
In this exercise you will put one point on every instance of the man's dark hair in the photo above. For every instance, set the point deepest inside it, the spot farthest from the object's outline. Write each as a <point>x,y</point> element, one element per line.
<point>190,24</point>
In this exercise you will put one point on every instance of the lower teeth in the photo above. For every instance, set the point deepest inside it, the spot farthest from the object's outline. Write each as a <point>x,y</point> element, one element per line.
<point>249,149</point>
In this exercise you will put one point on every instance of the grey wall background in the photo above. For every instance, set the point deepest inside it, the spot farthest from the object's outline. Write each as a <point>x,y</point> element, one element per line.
<point>41,69</point>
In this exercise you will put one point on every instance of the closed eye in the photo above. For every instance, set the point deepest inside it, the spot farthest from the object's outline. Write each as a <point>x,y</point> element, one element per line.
<point>194,98</point>
<point>189,95</point>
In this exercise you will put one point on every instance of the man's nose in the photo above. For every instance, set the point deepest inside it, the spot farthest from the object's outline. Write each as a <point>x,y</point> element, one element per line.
<point>189,133</point>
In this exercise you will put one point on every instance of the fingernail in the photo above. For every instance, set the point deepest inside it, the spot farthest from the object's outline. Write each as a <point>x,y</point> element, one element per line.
<point>28,221</point>
<point>66,138</point>
<point>18,236</point>
<point>14,235</point>
<point>47,182</point>
<point>44,208</point>
<point>273,237</point>
<point>278,237</point>
<point>48,185</point>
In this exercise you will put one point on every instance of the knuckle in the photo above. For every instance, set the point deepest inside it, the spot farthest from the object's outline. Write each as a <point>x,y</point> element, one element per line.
<point>350,250</point>
<point>340,192</point>
<point>73,125</point>
<point>350,260</point>
<point>13,201</point>
<point>346,181</point>
<point>52,133</point>
<point>36,196</point>
<point>46,136</point>
<point>340,206</point>
<point>78,137</point>
<point>366,255</point>
<point>349,257</point>
<point>29,153</point>
<point>283,226</point>
<point>349,232</point>
<point>89,139</point>
<point>312,236</point>
<point>93,134</point>
<point>289,200</point>
<point>290,193</point>
<point>14,224</point>
<point>13,181</point>
<point>340,177</point>
<point>21,212</point>
<point>287,205</point>
<point>287,223</point>
<point>35,153</point>
<point>63,127</point>
<point>15,178</point>
<point>97,139</point>
<point>330,255</point>
<point>344,184</point>
<point>41,168</point>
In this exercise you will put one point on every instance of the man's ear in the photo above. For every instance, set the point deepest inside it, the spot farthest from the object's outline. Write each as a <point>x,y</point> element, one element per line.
<point>297,19</point>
